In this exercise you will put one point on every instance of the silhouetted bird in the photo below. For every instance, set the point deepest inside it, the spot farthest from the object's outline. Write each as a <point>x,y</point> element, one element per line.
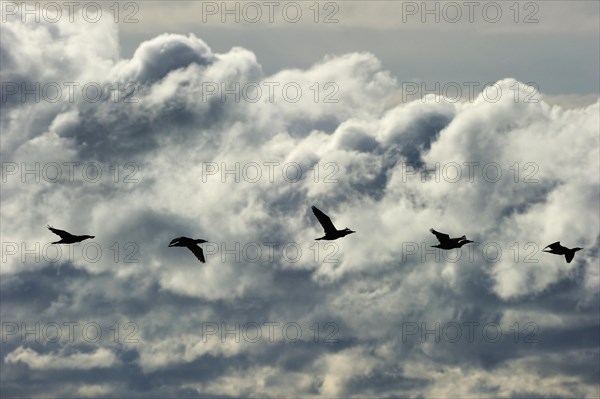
<point>331,233</point>
<point>67,238</point>
<point>558,249</point>
<point>449,243</point>
<point>190,244</point>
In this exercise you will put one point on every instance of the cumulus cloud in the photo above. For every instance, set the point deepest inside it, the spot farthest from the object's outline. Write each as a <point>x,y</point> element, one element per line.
<point>100,358</point>
<point>187,152</point>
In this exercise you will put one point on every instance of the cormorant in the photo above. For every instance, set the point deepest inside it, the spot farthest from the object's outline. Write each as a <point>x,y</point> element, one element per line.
<point>331,233</point>
<point>558,249</point>
<point>190,244</point>
<point>449,243</point>
<point>67,238</point>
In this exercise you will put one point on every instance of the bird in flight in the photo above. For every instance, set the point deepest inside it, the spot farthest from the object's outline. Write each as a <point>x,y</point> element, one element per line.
<point>67,238</point>
<point>449,243</point>
<point>190,244</point>
<point>558,249</point>
<point>331,233</point>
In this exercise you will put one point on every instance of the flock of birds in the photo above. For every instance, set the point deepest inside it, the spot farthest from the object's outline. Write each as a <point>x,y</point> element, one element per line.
<point>331,233</point>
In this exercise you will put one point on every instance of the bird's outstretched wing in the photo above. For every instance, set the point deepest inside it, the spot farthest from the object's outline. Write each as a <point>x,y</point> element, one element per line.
<point>324,220</point>
<point>60,233</point>
<point>555,246</point>
<point>198,252</point>
<point>569,256</point>
<point>175,241</point>
<point>442,238</point>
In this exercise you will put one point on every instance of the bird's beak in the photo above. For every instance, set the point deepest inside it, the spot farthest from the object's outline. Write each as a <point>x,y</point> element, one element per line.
<point>171,243</point>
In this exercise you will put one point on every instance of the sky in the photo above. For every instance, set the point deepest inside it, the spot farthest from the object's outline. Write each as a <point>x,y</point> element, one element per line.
<point>140,122</point>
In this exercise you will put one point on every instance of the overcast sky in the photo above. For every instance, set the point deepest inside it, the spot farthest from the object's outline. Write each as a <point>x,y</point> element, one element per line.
<point>181,124</point>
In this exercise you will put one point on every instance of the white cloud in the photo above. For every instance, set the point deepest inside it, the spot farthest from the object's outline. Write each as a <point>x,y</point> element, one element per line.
<point>101,358</point>
<point>173,132</point>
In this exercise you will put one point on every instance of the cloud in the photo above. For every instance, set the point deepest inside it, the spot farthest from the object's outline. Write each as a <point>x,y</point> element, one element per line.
<point>93,391</point>
<point>100,358</point>
<point>223,166</point>
<point>155,58</point>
